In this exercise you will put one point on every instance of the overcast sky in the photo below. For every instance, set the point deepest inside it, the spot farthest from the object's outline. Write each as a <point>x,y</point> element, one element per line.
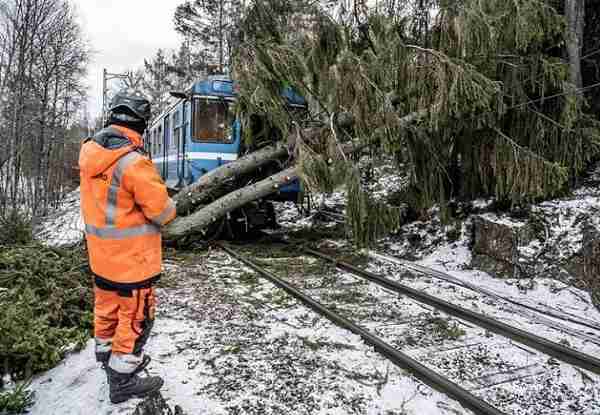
<point>122,33</point>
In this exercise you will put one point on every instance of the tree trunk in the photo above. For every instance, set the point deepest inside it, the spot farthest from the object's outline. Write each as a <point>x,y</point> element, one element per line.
<point>200,219</point>
<point>205,189</point>
<point>575,14</point>
<point>199,192</point>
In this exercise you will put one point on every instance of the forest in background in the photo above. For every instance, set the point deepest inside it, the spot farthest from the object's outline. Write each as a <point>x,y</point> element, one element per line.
<point>43,61</point>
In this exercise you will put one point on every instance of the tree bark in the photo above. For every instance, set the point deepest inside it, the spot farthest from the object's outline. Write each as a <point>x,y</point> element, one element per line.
<point>202,218</point>
<point>199,192</point>
<point>575,14</point>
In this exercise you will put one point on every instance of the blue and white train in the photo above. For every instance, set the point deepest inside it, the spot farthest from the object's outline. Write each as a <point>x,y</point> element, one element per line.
<point>200,133</point>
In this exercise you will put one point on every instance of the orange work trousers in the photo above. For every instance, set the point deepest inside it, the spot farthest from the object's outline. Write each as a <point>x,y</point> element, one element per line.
<point>125,317</point>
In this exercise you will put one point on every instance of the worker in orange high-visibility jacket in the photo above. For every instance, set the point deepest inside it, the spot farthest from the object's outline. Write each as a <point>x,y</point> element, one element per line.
<point>124,203</point>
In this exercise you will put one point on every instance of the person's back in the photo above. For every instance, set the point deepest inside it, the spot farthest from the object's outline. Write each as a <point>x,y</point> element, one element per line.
<point>124,203</point>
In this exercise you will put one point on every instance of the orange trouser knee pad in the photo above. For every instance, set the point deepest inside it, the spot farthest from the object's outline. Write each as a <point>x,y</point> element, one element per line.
<point>125,317</point>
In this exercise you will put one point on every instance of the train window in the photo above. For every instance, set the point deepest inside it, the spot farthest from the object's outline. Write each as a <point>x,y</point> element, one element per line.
<point>154,143</point>
<point>176,137</point>
<point>160,139</point>
<point>167,133</point>
<point>185,120</point>
<point>212,120</point>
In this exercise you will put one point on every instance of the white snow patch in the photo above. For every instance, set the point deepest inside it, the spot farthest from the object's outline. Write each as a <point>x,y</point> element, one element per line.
<point>78,384</point>
<point>65,226</point>
<point>503,220</point>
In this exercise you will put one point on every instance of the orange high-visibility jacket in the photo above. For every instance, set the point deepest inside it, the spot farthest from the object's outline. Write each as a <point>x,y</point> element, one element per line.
<point>124,202</point>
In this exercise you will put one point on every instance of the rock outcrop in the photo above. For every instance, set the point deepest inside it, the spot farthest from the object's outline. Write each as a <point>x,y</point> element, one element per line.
<point>496,245</point>
<point>558,239</point>
<point>590,271</point>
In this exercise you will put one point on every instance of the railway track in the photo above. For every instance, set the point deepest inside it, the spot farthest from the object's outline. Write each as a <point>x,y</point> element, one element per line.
<point>470,392</point>
<point>536,312</point>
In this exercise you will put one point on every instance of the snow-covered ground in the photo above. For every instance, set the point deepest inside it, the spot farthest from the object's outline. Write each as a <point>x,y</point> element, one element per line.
<point>65,226</point>
<point>540,385</point>
<point>228,342</point>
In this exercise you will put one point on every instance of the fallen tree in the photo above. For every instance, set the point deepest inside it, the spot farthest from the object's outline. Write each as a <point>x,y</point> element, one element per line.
<point>45,303</point>
<point>491,133</point>
<point>212,202</point>
<point>209,186</point>
<point>476,127</point>
<point>204,217</point>
<point>205,189</point>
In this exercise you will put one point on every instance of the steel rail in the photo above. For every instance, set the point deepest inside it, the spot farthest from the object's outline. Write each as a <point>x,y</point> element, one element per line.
<point>556,350</point>
<point>422,372</point>
<point>456,281</point>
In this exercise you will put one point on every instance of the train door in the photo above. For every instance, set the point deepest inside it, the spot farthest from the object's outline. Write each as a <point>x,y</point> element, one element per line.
<point>181,145</point>
<point>159,150</point>
<point>165,152</point>
<point>177,146</point>
<point>186,165</point>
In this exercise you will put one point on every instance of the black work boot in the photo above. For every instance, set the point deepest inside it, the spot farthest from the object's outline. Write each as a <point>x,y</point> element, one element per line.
<point>103,358</point>
<point>124,386</point>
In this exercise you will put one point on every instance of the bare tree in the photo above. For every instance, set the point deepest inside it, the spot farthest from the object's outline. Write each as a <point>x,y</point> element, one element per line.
<point>42,65</point>
<point>133,80</point>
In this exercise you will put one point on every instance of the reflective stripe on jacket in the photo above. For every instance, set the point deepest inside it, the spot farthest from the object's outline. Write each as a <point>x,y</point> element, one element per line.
<point>124,203</point>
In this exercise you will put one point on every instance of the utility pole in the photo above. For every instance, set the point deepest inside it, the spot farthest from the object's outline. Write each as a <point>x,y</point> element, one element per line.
<point>106,76</point>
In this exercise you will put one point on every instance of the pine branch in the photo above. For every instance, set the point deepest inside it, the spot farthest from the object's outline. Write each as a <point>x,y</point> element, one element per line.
<point>521,149</point>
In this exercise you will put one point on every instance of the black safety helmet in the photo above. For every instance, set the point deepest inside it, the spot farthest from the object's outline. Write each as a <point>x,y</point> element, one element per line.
<point>132,100</point>
<point>130,109</point>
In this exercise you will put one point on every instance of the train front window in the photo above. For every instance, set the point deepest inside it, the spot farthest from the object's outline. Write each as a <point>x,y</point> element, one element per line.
<point>212,120</point>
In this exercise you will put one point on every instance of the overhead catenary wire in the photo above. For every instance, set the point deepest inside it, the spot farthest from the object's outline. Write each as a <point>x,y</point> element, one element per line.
<point>575,91</point>
<point>595,52</point>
